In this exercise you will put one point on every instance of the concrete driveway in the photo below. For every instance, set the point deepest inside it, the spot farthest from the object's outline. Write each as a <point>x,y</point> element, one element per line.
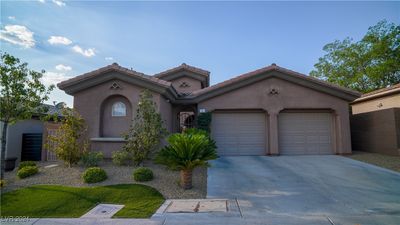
<point>307,189</point>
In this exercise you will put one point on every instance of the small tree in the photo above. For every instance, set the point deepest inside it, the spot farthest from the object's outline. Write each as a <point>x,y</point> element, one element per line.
<point>21,95</point>
<point>185,152</point>
<point>70,138</point>
<point>146,131</point>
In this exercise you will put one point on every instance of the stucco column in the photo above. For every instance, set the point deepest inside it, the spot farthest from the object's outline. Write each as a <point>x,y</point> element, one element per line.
<point>339,147</point>
<point>273,133</point>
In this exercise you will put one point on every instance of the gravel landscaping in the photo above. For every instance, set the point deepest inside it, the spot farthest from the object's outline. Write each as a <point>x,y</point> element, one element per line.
<point>385,161</point>
<point>165,181</point>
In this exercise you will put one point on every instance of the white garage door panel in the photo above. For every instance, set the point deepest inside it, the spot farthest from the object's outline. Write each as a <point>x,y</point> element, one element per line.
<point>239,133</point>
<point>305,133</point>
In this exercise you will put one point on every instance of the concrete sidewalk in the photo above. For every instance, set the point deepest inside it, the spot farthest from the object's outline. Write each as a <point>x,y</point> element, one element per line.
<point>86,221</point>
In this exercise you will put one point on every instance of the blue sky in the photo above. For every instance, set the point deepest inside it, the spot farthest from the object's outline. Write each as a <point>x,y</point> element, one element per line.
<point>68,38</point>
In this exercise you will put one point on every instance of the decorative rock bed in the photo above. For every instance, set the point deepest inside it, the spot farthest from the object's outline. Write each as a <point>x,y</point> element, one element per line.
<point>165,181</point>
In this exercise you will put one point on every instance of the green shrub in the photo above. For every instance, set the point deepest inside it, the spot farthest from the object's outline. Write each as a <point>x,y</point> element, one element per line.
<point>204,121</point>
<point>121,158</point>
<point>26,163</point>
<point>27,171</point>
<point>143,174</point>
<point>91,159</point>
<point>94,175</point>
<point>2,183</point>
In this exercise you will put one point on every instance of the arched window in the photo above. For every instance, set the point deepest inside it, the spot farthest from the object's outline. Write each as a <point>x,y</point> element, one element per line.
<point>118,109</point>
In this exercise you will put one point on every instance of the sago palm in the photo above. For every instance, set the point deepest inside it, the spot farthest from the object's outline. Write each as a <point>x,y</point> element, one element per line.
<point>186,152</point>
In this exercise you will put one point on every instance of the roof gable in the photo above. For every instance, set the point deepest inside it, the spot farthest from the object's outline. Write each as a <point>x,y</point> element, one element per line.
<point>279,72</point>
<point>110,72</point>
<point>185,70</point>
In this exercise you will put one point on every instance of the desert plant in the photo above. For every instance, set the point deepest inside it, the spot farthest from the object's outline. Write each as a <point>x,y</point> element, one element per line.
<point>25,164</point>
<point>70,138</point>
<point>146,131</point>
<point>94,175</point>
<point>27,171</point>
<point>143,174</point>
<point>121,158</point>
<point>193,131</point>
<point>91,159</point>
<point>186,152</point>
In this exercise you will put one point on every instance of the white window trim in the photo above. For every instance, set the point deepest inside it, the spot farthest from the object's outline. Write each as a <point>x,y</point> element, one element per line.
<point>115,113</point>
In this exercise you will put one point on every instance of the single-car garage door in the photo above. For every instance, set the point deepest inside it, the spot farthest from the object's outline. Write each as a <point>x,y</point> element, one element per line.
<point>239,133</point>
<point>305,133</point>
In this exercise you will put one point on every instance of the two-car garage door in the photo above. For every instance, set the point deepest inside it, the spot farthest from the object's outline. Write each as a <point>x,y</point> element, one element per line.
<point>245,133</point>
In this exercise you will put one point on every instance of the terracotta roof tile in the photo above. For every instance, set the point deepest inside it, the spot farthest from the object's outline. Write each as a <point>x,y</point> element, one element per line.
<point>182,67</point>
<point>112,67</point>
<point>266,69</point>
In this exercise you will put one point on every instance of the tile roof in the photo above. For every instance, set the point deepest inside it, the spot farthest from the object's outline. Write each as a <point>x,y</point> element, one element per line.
<point>183,66</point>
<point>382,90</point>
<point>272,67</point>
<point>378,93</point>
<point>112,67</point>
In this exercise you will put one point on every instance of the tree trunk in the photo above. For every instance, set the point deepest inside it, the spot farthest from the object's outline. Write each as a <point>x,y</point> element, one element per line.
<point>186,179</point>
<point>3,149</point>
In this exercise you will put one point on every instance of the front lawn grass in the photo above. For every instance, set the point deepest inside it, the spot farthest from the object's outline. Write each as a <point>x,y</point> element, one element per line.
<point>54,201</point>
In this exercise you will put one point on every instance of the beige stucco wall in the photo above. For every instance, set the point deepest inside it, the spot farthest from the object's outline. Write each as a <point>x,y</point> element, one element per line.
<point>377,131</point>
<point>290,96</point>
<point>385,102</point>
<point>89,104</point>
<point>165,109</point>
<point>115,126</point>
<point>193,83</point>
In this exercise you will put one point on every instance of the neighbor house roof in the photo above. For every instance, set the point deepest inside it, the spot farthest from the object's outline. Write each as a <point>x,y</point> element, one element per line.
<point>394,89</point>
<point>283,73</point>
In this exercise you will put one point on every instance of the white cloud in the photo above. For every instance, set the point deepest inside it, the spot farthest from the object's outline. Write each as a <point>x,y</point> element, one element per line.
<point>41,1</point>
<point>18,35</point>
<point>85,52</point>
<point>62,67</point>
<point>11,17</point>
<point>59,2</point>
<point>109,58</point>
<point>50,78</point>
<point>59,40</point>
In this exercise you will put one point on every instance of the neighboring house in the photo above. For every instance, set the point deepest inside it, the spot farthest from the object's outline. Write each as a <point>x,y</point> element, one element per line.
<point>25,138</point>
<point>269,111</point>
<point>375,123</point>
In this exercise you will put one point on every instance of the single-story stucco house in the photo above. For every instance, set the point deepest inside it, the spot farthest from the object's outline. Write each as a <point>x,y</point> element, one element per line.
<point>269,111</point>
<point>375,121</point>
